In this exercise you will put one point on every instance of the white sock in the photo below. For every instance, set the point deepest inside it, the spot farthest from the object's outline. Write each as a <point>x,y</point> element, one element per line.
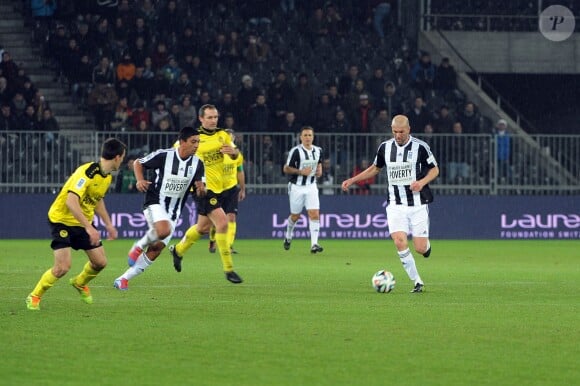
<point>138,268</point>
<point>409,264</point>
<point>314,231</point>
<point>149,238</point>
<point>290,229</point>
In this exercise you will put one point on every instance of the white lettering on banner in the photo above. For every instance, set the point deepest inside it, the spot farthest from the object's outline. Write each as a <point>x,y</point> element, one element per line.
<point>548,221</point>
<point>174,186</point>
<point>400,173</point>
<point>340,220</point>
<point>132,220</point>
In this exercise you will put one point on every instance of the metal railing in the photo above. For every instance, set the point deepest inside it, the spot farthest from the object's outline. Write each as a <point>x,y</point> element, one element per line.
<point>37,162</point>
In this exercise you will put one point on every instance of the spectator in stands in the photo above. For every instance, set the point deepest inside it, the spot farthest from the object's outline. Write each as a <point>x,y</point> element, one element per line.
<point>258,13</point>
<point>443,121</point>
<point>140,34</point>
<point>246,97</point>
<point>376,85</point>
<point>126,181</point>
<point>235,48</point>
<point>18,104</point>
<point>122,117</point>
<point>280,97</point>
<point>160,87</point>
<point>40,104</point>
<point>392,100</point>
<point>126,68</point>
<point>503,143</point>
<point>171,70</point>
<point>160,112</point>
<point>458,168</point>
<point>230,123</point>
<point>8,121</point>
<point>335,23</point>
<point>337,148</point>
<point>103,74</point>
<point>5,93</point>
<point>422,76</point>
<point>290,125</point>
<point>256,50</point>
<point>126,90</point>
<point>148,70</point>
<point>363,115</point>
<point>219,50</point>
<point>174,114</point>
<point>259,115</point>
<point>28,120</point>
<point>119,38</point>
<point>204,98</point>
<point>170,21</point>
<point>352,99</point>
<point>303,101</point>
<point>227,105</point>
<point>362,187</point>
<point>198,72</point>
<point>83,38</point>
<point>138,51</point>
<point>381,122</point>
<point>162,139</point>
<point>380,11</point>
<point>58,44</point>
<point>317,25</point>
<point>445,81</point>
<point>469,118</point>
<point>102,101</point>
<point>50,127</point>
<point>159,56</point>
<point>101,37</point>
<point>126,12</point>
<point>347,82</point>
<point>9,70</point>
<point>187,112</point>
<point>28,90</point>
<point>325,114</point>
<point>334,98</point>
<point>140,141</point>
<point>327,178</point>
<point>419,116</point>
<point>140,114</point>
<point>149,14</point>
<point>142,86</point>
<point>187,44</point>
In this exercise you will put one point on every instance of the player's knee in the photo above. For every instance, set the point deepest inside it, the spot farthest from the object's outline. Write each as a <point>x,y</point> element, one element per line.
<point>99,265</point>
<point>60,270</point>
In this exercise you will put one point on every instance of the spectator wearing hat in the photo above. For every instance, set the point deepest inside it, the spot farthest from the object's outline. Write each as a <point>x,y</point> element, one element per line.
<point>246,97</point>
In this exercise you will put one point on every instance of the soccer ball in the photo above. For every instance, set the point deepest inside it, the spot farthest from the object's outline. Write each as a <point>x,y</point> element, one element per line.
<point>383,281</point>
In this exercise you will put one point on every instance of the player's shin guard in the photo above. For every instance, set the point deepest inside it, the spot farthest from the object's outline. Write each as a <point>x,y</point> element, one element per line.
<point>212,232</point>
<point>190,237</point>
<point>224,249</point>
<point>46,281</point>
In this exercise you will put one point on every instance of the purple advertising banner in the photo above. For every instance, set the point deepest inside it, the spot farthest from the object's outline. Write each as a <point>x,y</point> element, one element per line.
<point>342,217</point>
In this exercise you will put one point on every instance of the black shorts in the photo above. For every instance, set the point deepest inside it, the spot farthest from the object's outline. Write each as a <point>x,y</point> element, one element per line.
<point>65,236</point>
<point>228,200</point>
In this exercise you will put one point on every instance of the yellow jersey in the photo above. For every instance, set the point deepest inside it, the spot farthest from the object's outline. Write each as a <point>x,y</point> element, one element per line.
<point>90,184</point>
<point>210,143</point>
<point>231,169</point>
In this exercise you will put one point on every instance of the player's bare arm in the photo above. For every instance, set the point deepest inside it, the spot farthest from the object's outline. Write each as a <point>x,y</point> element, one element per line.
<point>142,184</point>
<point>369,172</point>
<point>301,172</point>
<point>232,151</point>
<point>101,210</point>
<point>416,186</point>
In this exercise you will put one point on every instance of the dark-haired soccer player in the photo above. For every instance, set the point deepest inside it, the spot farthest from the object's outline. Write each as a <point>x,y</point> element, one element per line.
<point>177,172</point>
<point>410,166</point>
<point>70,217</point>
<point>215,145</point>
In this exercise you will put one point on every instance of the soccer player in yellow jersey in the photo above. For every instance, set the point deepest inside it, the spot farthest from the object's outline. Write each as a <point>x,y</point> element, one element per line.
<point>235,190</point>
<point>70,218</point>
<point>215,145</point>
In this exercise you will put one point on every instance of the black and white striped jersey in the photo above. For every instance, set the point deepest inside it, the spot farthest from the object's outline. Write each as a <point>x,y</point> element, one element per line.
<point>404,165</point>
<point>300,158</point>
<point>174,179</point>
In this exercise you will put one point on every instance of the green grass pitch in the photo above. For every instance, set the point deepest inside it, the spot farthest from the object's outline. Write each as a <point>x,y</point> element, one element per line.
<point>494,313</point>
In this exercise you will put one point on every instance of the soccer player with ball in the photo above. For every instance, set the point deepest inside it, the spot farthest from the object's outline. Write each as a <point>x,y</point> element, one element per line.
<point>410,166</point>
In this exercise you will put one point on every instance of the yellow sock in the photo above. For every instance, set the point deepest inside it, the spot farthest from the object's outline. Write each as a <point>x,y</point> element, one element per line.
<point>46,281</point>
<point>88,274</point>
<point>212,233</point>
<point>231,232</point>
<point>191,236</point>
<point>225,254</point>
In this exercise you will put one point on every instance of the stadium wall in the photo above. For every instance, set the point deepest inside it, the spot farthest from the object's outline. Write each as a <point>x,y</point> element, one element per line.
<point>343,217</point>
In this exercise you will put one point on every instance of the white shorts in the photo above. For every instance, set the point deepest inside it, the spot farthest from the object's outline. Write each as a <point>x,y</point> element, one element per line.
<point>155,213</point>
<point>413,220</point>
<point>303,196</point>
